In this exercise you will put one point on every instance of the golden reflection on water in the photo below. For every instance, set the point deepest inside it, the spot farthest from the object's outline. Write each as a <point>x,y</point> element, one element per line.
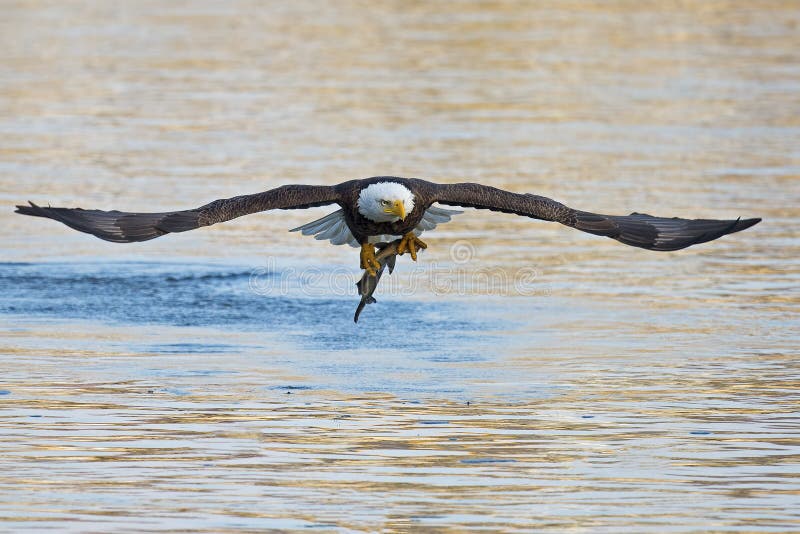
<point>630,390</point>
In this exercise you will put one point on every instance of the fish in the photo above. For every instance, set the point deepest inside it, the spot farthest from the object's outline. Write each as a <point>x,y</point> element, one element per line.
<point>386,256</point>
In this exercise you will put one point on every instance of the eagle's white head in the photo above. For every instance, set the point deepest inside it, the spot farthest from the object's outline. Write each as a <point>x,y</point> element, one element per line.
<point>385,202</point>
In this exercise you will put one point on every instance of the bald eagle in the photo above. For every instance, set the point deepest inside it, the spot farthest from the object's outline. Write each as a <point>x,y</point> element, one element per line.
<point>383,208</point>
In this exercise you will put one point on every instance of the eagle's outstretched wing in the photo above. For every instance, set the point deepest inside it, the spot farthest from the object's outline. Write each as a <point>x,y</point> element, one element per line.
<point>124,227</point>
<point>636,229</point>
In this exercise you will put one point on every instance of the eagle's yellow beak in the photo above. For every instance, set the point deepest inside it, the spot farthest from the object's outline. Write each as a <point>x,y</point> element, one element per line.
<point>397,209</point>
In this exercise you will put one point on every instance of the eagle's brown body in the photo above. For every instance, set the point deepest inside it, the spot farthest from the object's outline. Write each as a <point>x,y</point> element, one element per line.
<point>362,228</point>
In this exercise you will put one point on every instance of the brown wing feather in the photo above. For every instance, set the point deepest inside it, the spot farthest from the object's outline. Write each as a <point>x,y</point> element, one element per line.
<point>125,227</point>
<point>636,229</point>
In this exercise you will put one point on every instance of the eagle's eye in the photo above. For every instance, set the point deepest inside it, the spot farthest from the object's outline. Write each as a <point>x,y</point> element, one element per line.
<point>385,203</point>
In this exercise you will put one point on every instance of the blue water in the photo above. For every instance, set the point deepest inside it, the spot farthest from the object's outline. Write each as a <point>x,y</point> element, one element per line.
<point>198,295</point>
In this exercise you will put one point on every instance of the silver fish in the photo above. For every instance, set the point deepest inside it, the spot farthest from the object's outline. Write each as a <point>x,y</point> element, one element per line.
<point>386,256</point>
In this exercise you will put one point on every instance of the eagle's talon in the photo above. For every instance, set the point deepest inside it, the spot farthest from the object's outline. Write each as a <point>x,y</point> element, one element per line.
<point>368,261</point>
<point>410,243</point>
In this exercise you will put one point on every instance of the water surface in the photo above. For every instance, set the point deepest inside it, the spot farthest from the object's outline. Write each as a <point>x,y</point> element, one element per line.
<point>521,377</point>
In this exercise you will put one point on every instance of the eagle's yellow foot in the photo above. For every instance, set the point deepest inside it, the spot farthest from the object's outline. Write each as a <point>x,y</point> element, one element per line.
<point>368,260</point>
<point>410,243</point>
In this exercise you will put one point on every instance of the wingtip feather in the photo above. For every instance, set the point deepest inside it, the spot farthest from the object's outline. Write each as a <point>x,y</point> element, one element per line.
<point>744,224</point>
<point>30,209</point>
